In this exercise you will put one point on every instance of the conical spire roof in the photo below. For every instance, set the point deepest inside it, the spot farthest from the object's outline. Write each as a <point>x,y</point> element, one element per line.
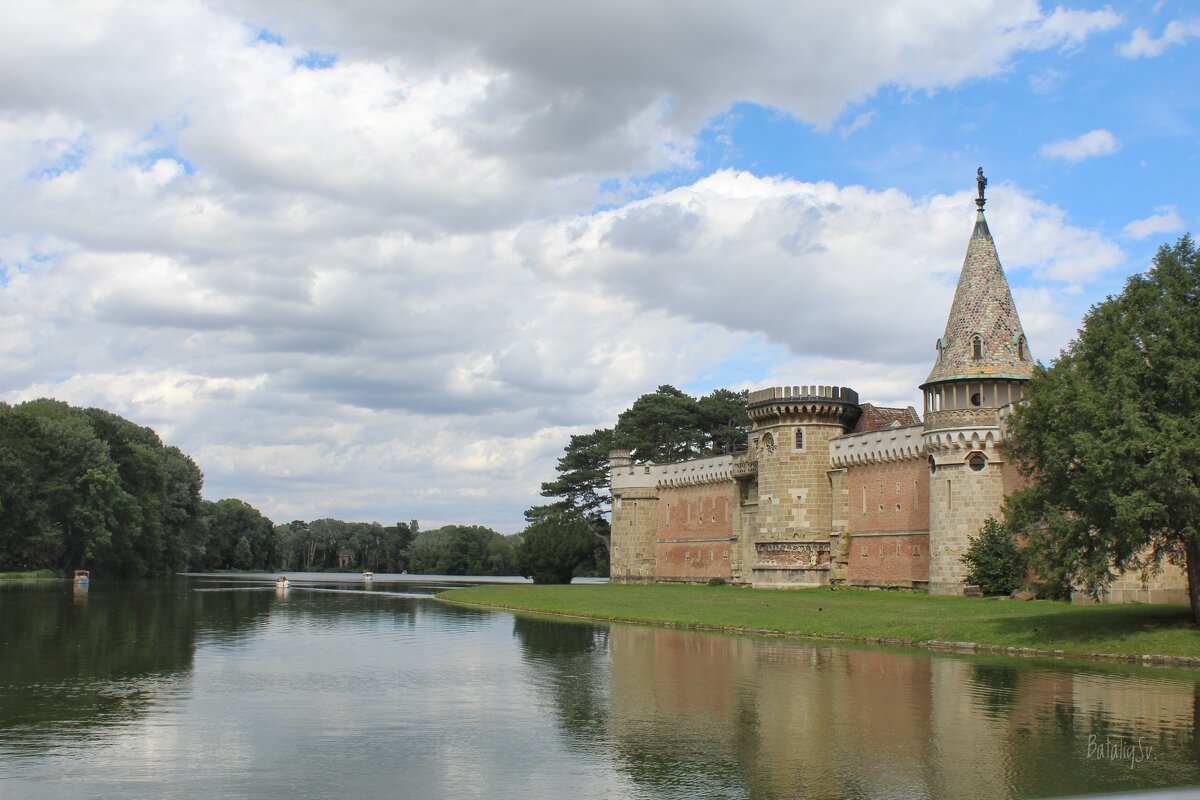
<point>983,307</point>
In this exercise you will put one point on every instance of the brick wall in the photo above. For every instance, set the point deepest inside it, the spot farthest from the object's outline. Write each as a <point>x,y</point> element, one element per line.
<point>889,559</point>
<point>891,496</point>
<point>694,561</point>
<point>696,512</point>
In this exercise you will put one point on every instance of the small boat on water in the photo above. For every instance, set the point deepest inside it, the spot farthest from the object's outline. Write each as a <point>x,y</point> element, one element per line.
<point>281,582</point>
<point>82,577</point>
<point>368,575</point>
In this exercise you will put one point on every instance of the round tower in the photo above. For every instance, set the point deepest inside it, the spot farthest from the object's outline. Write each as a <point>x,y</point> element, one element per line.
<point>789,438</point>
<point>982,365</point>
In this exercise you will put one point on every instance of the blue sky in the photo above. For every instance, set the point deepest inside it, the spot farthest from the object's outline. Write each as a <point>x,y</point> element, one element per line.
<point>379,260</point>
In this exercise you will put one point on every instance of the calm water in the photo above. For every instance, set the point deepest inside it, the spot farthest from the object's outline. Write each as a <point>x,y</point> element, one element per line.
<point>211,687</point>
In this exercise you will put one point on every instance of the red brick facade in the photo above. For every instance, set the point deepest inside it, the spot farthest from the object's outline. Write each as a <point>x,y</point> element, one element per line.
<point>695,529</point>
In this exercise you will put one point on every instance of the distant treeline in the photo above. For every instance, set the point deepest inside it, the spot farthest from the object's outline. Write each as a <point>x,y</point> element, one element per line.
<point>86,488</point>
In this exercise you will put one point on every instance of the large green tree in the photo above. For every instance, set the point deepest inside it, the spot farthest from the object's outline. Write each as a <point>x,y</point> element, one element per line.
<point>663,426</point>
<point>1110,435</point>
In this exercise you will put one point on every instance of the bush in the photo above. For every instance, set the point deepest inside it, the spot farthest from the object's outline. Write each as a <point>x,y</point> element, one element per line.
<point>996,564</point>
<point>553,547</point>
<point>716,581</point>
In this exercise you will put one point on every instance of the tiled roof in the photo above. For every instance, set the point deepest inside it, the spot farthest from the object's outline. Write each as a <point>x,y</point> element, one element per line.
<point>876,418</point>
<point>983,306</point>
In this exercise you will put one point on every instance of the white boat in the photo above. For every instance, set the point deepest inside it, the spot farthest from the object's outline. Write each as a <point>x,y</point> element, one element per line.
<point>281,582</point>
<point>368,575</point>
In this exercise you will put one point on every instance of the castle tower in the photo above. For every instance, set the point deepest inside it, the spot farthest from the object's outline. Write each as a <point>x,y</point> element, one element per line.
<point>634,519</point>
<point>982,365</point>
<point>789,437</point>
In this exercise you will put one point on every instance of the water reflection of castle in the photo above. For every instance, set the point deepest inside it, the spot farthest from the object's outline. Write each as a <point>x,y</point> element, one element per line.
<point>834,490</point>
<point>780,719</point>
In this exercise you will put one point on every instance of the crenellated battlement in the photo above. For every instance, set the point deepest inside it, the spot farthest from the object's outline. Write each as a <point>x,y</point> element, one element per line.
<point>877,447</point>
<point>838,394</point>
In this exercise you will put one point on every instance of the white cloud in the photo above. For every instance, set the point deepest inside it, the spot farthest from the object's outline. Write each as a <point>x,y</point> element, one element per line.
<point>1166,220</point>
<point>857,124</point>
<point>1142,43</point>
<point>1094,143</point>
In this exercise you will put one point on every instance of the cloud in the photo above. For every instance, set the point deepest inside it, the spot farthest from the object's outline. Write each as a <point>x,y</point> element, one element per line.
<point>1142,43</point>
<point>857,124</point>
<point>1089,145</point>
<point>353,264</point>
<point>1167,220</point>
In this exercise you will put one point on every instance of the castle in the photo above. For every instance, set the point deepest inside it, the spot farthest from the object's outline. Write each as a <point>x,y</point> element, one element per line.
<point>834,491</point>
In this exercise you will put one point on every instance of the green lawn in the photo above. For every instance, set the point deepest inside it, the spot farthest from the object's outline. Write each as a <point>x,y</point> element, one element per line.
<point>35,575</point>
<point>861,615</point>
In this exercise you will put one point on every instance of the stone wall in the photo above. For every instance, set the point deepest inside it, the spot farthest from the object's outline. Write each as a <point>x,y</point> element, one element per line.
<point>795,500</point>
<point>960,500</point>
<point>634,534</point>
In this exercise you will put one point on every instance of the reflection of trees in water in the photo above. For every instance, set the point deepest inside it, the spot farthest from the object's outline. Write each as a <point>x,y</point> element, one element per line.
<point>569,657</point>
<point>74,664</point>
<point>995,687</point>
<point>89,661</point>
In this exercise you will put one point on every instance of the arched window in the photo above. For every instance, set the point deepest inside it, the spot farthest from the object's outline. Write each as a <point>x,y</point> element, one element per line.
<point>977,347</point>
<point>1022,349</point>
<point>799,438</point>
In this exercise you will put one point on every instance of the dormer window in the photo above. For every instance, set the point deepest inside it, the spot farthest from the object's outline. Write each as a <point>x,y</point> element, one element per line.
<point>977,347</point>
<point>1022,349</point>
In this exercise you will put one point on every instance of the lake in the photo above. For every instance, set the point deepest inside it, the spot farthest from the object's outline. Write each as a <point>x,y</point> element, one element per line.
<point>223,686</point>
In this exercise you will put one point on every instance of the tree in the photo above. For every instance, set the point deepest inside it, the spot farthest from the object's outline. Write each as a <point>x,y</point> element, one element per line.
<point>724,420</point>
<point>995,562</point>
<point>663,426</point>
<point>461,550</point>
<point>1110,435</point>
<point>553,547</point>
<point>582,483</point>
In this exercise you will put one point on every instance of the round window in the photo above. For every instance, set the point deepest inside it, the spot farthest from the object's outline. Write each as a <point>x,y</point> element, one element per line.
<point>976,400</point>
<point>977,461</point>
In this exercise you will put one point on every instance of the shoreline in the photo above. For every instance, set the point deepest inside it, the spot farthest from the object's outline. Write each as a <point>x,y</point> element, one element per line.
<point>961,647</point>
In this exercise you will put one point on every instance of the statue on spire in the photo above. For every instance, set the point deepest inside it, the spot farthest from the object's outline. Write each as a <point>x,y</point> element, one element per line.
<point>981,182</point>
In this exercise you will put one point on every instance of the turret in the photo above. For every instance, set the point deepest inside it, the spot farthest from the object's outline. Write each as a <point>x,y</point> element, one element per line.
<point>789,437</point>
<point>982,365</point>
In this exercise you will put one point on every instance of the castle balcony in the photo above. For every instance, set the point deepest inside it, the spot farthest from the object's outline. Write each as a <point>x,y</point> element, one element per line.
<point>956,418</point>
<point>745,466</point>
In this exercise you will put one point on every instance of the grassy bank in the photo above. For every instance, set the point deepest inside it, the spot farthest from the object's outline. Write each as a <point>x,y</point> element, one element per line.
<point>890,617</point>
<point>35,575</point>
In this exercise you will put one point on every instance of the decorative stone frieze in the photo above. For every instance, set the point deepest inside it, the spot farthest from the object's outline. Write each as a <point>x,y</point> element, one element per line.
<point>796,555</point>
<point>962,418</point>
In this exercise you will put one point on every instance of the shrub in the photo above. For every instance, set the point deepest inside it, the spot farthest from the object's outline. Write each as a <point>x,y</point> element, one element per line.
<point>716,581</point>
<point>553,547</point>
<point>995,562</point>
